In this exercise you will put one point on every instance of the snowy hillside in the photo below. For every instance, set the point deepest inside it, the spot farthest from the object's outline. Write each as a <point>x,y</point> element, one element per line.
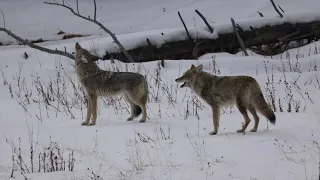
<point>34,19</point>
<point>42,104</point>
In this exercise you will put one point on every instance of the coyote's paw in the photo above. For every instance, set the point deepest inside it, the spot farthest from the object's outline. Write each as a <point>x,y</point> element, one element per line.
<point>241,131</point>
<point>213,132</point>
<point>130,119</point>
<point>253,130</point>
<point>142,121</point>
<point>91,124</point>
<point>84,123</point>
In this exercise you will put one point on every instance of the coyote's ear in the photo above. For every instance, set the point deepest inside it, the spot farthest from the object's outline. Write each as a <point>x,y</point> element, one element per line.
<point>199,68</point>
<point>193,67</point>
<point>83,59</point>
<point>77,46</point>
<point>95,58</point>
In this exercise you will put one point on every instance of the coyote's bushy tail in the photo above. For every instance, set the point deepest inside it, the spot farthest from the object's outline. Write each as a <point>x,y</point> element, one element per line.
<point>262,107</point>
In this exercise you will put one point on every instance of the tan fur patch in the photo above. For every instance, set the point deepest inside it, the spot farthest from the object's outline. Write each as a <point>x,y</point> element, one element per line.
<point>83,59</point>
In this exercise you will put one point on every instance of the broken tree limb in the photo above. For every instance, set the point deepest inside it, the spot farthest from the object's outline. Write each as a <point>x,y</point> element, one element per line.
<point>30,44</point>
<point>4,19</point>
<point>281,9</point>
<point>95,10</point>
<point>148,41</point>
<point>185,27</point>
<point>260,14</point>
<point>239,28</point>
<point>205,21</point>
<point>277,10</point>
<point>78,7</point>
<point>25,42</point>
<point>289,36</point>
<point>115,39</point>
<point>238,37</point>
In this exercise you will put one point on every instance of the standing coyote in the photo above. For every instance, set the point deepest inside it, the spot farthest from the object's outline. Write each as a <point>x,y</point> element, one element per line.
<point>98,82</point>
<point>219,91</point>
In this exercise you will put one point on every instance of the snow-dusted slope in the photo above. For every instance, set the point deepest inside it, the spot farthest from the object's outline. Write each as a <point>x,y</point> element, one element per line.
<point>34,19</point>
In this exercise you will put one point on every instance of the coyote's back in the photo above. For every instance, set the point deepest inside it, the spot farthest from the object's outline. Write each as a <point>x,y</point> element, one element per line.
<point>98,82</point>
<point>219,91</point>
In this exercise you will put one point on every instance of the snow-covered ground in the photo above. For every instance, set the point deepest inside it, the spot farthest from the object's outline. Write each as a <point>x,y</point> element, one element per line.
<point>42,103</point>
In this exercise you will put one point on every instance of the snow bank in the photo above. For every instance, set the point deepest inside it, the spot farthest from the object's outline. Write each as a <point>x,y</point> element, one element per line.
<point>159,37</point>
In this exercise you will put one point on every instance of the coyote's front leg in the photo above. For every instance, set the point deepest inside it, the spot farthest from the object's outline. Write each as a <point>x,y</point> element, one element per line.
<point>215,118</point>
<point>94,102</point>
<point>86,122</point>
<point>91,110</point>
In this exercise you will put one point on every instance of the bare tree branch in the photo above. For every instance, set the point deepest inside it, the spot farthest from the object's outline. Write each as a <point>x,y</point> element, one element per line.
<point>95,10</point>
<point>30,44</point>
<point>275,8</point>
<point>4,19</point>
<point>281,9</point>
<point>239,38</point>
<point>66,2</point>
<point>205,21</point>
<point>78,7</point>
<point>97,23</point>
<point>185,27</point>
<point>289,36</point>
<point>26,42</point>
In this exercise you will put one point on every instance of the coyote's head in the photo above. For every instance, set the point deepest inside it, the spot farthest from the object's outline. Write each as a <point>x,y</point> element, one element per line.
<point>189,76</point>
<point>84,56</point>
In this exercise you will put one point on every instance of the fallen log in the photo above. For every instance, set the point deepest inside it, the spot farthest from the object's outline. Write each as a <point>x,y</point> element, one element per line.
<point>253,38</point>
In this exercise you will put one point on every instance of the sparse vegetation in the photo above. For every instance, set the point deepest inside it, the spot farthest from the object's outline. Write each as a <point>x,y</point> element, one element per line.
<point>61,96</point>
<point>48,158</point>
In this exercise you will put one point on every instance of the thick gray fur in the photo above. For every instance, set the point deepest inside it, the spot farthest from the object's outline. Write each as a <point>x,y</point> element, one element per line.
<point>98,82</point>
<point>222,91</point>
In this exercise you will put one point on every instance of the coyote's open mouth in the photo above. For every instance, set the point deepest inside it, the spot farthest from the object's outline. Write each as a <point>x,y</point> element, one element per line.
<point>183,85</point>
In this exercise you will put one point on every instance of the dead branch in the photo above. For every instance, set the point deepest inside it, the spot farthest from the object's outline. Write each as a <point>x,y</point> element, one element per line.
<point>148,41</point>
<point>78,7</point>
<point>253,38</point>
<point>297,38</point>
<point>281,9</point>
<point>275,8</point>
<point>95,22</point>
<point>239,38</point>
<point>289,36</point>
<point>205,21</point>
<point>261,15</point>
<point>95,10</point>
<point>185,27</point>
<point>239,28</point>
<point>26,42</point>
<point>4,19</point>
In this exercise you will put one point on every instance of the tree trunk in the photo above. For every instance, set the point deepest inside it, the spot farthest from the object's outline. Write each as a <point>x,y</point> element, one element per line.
<point>272,36</point>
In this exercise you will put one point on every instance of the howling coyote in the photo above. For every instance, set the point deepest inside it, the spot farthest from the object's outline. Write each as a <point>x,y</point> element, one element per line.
<point>220,91</point>
<point>98,82</point>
